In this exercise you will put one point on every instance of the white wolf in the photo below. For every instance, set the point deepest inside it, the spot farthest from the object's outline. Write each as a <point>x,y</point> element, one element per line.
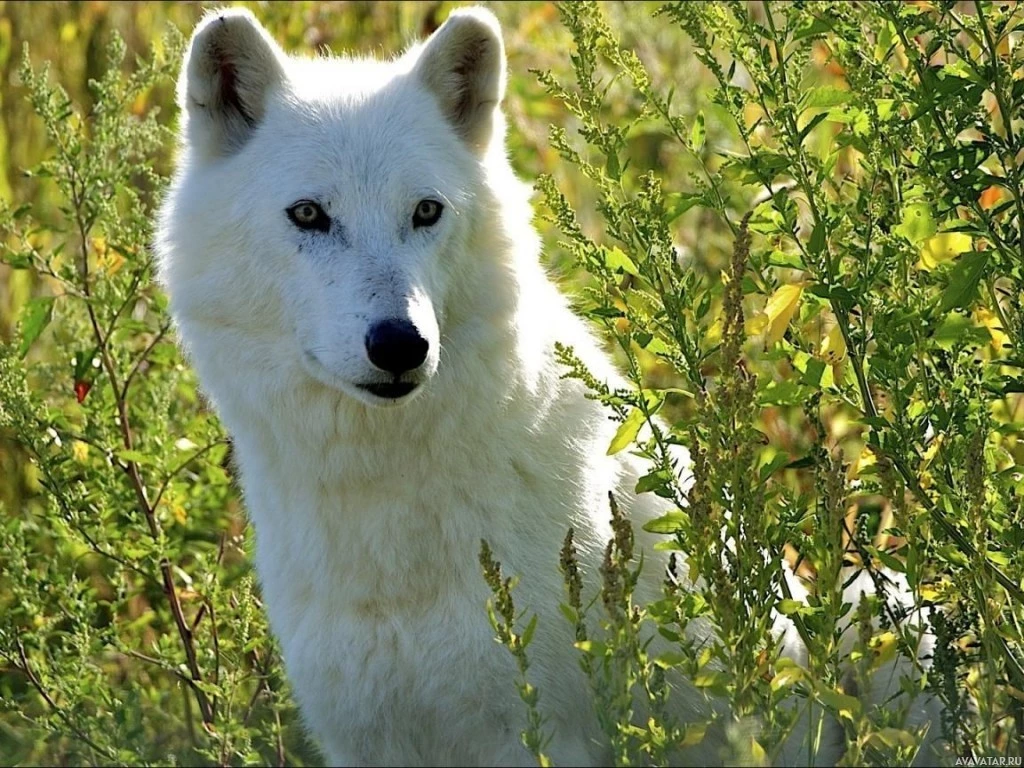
<point>354,274</point>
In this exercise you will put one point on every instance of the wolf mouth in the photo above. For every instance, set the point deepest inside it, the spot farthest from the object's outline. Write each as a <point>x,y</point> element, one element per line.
<point>391,390</point>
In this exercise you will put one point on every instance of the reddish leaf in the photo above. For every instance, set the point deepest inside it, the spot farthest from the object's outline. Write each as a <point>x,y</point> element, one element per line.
<point>82,388</point>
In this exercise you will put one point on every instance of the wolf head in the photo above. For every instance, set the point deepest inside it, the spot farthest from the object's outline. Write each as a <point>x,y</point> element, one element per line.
<point>324,209</point>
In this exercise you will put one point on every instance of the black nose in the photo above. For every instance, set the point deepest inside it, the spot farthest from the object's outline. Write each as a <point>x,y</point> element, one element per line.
<point>396,346</point>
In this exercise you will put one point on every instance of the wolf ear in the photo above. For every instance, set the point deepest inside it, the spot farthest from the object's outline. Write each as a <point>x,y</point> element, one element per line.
<point>463,65</point>
<point>231,65</point>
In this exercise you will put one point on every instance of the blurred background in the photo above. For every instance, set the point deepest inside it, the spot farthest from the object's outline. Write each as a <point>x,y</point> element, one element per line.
<point>71,38</point>
<point>87,638</point>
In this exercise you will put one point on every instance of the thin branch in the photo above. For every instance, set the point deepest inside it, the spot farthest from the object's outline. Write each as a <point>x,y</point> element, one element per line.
<point>142,358</point>
<point>26,669</point>
<point>131,468</point>
<point>178,469</point>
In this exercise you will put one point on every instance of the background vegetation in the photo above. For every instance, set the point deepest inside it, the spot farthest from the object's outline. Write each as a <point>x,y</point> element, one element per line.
<point>801,227</point>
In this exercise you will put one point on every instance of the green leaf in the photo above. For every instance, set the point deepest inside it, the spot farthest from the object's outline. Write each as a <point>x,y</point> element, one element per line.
<point>892,738</point>
<point>627,431</point>
<point>817,242</point>
<point>890,562</point>
<point>844,705</point>
<point>790,607</point>
<point>34,318</point>
<point>711,679</point>
<point>678,203</point>
<point>617,261</point>
<point>957,329</point>
<point>815,373</point>
<point>698,133</point>
<point>824,97</point>
<point>783,393</point>
<point>767,470</point>
<point>670,659</point>
<point>677,391</point>
<point>963,281</point>
<point>655,481</point>
<point>917,223</point>
<point>811,125</point>
<point>608,312</point>
<point>136,457</point>
<point>528,633</point>
<point>784,259</point>
<point>611,165</point>
<point>999,558</point>
<point>810,25</point>
<point>669,523</point>
<point>17,259</point>
<point>592,647</point>
<point>787,677</point>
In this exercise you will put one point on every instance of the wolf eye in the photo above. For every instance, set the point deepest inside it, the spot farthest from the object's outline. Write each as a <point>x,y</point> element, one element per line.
<point>306,214</point>
<point>427,213</point>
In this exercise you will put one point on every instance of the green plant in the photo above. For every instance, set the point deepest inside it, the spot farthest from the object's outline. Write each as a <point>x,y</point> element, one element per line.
<point>130,629</point>
<point>847,381</point>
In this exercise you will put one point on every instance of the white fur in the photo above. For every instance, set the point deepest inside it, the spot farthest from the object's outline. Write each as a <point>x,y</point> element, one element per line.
<point>369,513</point>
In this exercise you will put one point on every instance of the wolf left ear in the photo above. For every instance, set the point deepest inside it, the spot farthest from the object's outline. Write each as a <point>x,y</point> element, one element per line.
<point>230,68</point>
<point>463,65</point>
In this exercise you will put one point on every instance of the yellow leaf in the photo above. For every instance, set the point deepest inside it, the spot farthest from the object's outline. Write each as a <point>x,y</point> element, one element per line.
<point>884,646</point>
<point>1005,46</point>
<point>842,704</point>
<point>694,734</point>
<point>780,310</point>
<point>931,450</point>
<point>713,335</point>
<point>833,346</point>
<point>787,678</point>
<point>892,738</point>
<point>627,431</point>
<point>992,196</point>
<point>931,594</point>
<point>757,324</point>
<point>107,258</point>
<point>988,319</point>
<point>704,658</point>
<point>31,478</point>
<point>866,459</point>
<point>943,247</point>
<point>111,261</point>
<point>80,451</point>
<point>751,114</point>
<point>757,752</point>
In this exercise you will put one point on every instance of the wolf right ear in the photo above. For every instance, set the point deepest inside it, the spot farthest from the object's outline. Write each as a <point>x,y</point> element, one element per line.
<point>230,68</point>
<point>463,65</point>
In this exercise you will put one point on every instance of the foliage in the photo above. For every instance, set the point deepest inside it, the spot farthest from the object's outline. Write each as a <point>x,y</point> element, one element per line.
<point>847,383</point>
<point>131,631</point>
<point>134,565</point>
<point>844,364</point>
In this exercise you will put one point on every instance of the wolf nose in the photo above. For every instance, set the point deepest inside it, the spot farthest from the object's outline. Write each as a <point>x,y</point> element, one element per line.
<point>396,346</point>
